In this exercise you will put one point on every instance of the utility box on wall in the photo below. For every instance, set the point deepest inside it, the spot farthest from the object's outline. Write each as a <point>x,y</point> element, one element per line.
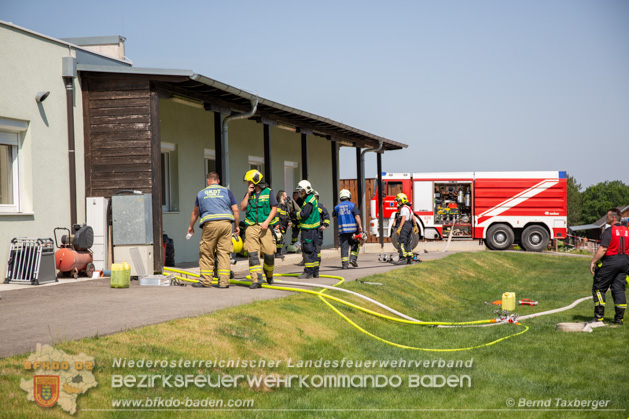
<point>132,235</point>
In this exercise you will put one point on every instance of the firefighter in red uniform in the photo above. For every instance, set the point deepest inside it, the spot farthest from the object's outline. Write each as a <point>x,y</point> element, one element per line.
<point>612,273</point>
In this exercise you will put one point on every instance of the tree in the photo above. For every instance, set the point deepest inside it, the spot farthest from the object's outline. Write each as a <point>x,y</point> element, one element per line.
<point>599,198</point>
<point>575,201</point>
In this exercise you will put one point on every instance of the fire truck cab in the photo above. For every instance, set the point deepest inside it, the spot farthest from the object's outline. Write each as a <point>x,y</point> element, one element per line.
<point>501,208</point>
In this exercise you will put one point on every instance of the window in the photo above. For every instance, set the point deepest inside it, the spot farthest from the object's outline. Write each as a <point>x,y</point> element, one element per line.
<point>290,176</point>
<point>394,188</point>
<point>167,150</point>
<point>256,163</point>
<point>9,186</point>
<point>210,164</point>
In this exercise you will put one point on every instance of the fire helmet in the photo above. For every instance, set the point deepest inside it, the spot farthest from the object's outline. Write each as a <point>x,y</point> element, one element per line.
<point>345,194</point>
<point>401,199</point>
<point>304,185</point>
<point>237,243</point>
<point>253,176</point>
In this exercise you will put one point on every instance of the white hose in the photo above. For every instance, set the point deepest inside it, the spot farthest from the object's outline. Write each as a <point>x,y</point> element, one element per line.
<point>530,316</point>
<point>557,310</point>
<point>364,297</point>
<point>445,248</point>
<point>404,316</point>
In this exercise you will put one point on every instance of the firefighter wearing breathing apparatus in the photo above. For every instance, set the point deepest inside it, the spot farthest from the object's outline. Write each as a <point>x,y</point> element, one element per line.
<point>324,220</point>
<point>405,225</point>
<point>260,207</point>
<point>309,223</point>
<point>348,219</point>
<point>218,210</point>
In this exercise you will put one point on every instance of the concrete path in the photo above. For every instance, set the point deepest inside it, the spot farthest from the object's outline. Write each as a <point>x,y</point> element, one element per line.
<point>77,309</point>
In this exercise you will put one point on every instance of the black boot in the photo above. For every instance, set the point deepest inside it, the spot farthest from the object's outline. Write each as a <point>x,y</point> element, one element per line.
<point>599,313</point>
<point>620,314</point>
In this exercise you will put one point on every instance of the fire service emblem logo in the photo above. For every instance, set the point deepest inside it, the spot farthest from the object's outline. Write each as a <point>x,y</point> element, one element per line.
<point>46,389</point>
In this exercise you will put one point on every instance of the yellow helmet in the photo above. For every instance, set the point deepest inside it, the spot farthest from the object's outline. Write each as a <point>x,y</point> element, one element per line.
<point>237,243</point>
<point>253,176</point>
<point>401,198</point>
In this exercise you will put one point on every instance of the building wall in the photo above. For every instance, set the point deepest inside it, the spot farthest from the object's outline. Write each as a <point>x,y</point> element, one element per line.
<point>191,130</point>
<point>31,64</point>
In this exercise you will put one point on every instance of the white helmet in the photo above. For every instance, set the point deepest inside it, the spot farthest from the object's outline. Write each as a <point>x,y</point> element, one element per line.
<point>304,185</point>
<point>345,194</point>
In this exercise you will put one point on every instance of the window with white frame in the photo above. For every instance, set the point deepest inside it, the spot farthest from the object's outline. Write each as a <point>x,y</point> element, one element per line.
<point>210,163</point>
<point>290,176</point>
<point>9,172</point>
<point>256,163</point>
<point>167,150</point>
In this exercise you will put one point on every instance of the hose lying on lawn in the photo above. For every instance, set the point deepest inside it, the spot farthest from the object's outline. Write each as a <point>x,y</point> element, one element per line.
<point>325,297</point>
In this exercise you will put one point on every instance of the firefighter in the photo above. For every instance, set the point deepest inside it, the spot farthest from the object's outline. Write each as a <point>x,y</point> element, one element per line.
<point>348,218</point>
<point>284,222</point>
<point>309,223</point>
<point>614,255</point>
<point>293,208</point>
<point>218,210</point>
<point>405,224</point>
<point>324,220</point>
<point>260,207</point>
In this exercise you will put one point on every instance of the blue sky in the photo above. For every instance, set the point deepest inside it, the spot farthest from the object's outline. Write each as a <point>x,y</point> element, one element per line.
<point>468,85</point>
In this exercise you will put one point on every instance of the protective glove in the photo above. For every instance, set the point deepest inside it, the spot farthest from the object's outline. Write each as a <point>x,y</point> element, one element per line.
<point>399,231</point>
<point>415,229</point>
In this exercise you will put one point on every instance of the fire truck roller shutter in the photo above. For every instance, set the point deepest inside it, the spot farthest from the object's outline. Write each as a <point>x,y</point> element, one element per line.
<point>499,237</point>
<point>535,238</point>
<point>414,236</point>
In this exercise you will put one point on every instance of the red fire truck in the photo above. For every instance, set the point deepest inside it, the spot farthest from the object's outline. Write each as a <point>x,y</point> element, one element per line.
<point>501,208</point>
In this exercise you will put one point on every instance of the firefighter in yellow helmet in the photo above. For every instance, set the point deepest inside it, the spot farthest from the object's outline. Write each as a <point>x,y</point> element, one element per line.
<point>260,207</point>
<point>404,224</point>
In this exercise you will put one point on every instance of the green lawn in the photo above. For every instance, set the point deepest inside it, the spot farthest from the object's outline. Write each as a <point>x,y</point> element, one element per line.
<point>542,366</point>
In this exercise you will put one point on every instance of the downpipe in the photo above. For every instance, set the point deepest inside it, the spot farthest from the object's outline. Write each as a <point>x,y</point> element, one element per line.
<point>225,138</point>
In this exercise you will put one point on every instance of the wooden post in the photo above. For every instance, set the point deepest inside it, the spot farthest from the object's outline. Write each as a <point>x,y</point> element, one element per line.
<point>380,204</point>
<point>359,187</point>
<point>304,156</point>
<point>218,144</point>
<point>267,153</point>
<point>335,188</point>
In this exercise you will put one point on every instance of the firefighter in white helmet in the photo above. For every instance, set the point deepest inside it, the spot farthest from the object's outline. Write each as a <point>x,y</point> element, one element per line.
<point>309,223</point>
<point>324,219</point>
<point>260,207</point>
<point>348,218</point>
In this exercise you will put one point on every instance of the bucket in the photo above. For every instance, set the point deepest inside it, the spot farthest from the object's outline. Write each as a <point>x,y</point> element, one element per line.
<point>120,275</point>
<point>508,301</point>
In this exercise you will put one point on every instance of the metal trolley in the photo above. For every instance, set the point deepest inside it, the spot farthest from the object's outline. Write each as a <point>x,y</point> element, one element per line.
<point>31,261</point>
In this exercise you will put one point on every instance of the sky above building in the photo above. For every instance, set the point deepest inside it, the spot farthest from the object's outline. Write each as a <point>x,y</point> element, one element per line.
<point>487,85</point>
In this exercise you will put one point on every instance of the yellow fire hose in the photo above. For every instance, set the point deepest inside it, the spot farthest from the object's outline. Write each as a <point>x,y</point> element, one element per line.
<point>324,297</point>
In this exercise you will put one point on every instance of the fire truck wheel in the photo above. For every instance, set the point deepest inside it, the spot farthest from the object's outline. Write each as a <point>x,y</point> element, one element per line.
<point>499,237</point>
<point>535,238</point>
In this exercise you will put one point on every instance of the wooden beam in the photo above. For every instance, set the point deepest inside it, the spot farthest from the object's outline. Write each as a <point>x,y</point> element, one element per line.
<point>268,169</point>
<point>359,186</point>
<point>218,144</point>
<point>335,188</point>
<point>304,156</point>
<point>380,204</point>
<point>156,190</point>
